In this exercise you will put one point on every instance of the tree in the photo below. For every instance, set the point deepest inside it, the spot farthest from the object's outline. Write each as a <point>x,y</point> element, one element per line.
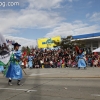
<point>68,42</point>
<point>23,49</point>
<point>27,49</point>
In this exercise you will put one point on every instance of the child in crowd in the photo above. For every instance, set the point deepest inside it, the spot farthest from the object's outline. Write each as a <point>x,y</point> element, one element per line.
<point>58,64</point>
<point>95,63</point>
<point>74,64</point>
<point>69,63</point>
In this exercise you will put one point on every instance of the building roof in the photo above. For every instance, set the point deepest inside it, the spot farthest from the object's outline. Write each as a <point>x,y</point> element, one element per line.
<point>92,35</point>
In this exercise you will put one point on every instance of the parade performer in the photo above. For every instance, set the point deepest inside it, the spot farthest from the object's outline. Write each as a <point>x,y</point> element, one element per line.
<point>14,70</point>
<point>81,60</point>
<point>30,61</point>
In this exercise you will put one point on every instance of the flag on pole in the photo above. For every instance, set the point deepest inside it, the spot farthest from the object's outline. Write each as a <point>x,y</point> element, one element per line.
<point>77,49</point>
<point>4,51</point>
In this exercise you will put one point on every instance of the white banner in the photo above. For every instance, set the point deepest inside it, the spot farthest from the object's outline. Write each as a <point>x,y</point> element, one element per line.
<point>4,50</point>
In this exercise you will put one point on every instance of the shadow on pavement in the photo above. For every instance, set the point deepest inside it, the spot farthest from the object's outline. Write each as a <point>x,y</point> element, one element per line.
<point>37,82</point>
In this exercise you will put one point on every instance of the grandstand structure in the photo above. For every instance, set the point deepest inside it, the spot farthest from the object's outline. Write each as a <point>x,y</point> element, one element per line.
<point>92,40</point>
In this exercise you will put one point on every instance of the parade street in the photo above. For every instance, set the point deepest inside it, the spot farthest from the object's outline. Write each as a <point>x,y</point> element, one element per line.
<point>54,84</point>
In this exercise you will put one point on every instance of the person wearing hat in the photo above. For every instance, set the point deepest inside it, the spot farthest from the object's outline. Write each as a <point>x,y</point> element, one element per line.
<point>30,60</point>
<point>14,69</point>
<point>81,60</point>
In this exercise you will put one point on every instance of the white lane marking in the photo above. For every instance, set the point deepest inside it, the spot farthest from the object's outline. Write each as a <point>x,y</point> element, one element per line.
<point>96,95</point>
<point>66,88</point>
<point>30,91</point>
<point>40,74</point>
<point>43,74</point>
<point>26,90</point>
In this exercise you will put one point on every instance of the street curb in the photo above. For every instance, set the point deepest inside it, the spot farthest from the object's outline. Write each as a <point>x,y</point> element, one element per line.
<point>1,77</point>
<point>60,77</point>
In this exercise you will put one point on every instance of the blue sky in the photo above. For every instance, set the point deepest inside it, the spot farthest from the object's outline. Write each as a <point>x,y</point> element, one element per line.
<point>33,19</point>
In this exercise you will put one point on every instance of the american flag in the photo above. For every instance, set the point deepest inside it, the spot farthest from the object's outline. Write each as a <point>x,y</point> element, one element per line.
<point>10,42</point>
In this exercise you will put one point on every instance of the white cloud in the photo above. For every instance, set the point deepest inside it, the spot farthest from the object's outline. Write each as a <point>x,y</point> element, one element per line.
<point>87,15</point>
<point>27,19</point>
<point>70,0</point>
<point>95,16</point>
<point>44,4</point>
<point>67,29</point>
<point>88,29</point>
<point>33,16</point>
<point>22,41</point>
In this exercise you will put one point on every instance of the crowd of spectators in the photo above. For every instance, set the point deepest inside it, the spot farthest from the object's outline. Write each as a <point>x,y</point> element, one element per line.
<point>59,58</point>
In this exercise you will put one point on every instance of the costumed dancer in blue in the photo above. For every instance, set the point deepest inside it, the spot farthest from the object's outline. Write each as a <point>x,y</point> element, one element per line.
<point>30,61</point>
<point>81,60</point>
<point>14,69</point>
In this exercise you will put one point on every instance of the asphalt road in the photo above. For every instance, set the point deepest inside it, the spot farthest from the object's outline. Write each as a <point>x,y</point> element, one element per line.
<point>51,88</point>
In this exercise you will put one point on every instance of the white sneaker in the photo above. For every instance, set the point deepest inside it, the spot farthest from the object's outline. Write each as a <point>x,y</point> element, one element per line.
<point>9,83</point>
<point>18,83</point>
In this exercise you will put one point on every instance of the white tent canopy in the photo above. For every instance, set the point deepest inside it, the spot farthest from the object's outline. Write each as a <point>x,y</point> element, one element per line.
<point>96,50</point>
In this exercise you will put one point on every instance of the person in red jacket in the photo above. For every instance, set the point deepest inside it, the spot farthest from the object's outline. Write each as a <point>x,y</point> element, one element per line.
<point>24,55</point>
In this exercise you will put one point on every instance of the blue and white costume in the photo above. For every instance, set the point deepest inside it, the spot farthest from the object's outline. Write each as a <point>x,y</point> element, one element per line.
<point>81,61</point>
<point>14,69</point>
<point>30,61</point>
